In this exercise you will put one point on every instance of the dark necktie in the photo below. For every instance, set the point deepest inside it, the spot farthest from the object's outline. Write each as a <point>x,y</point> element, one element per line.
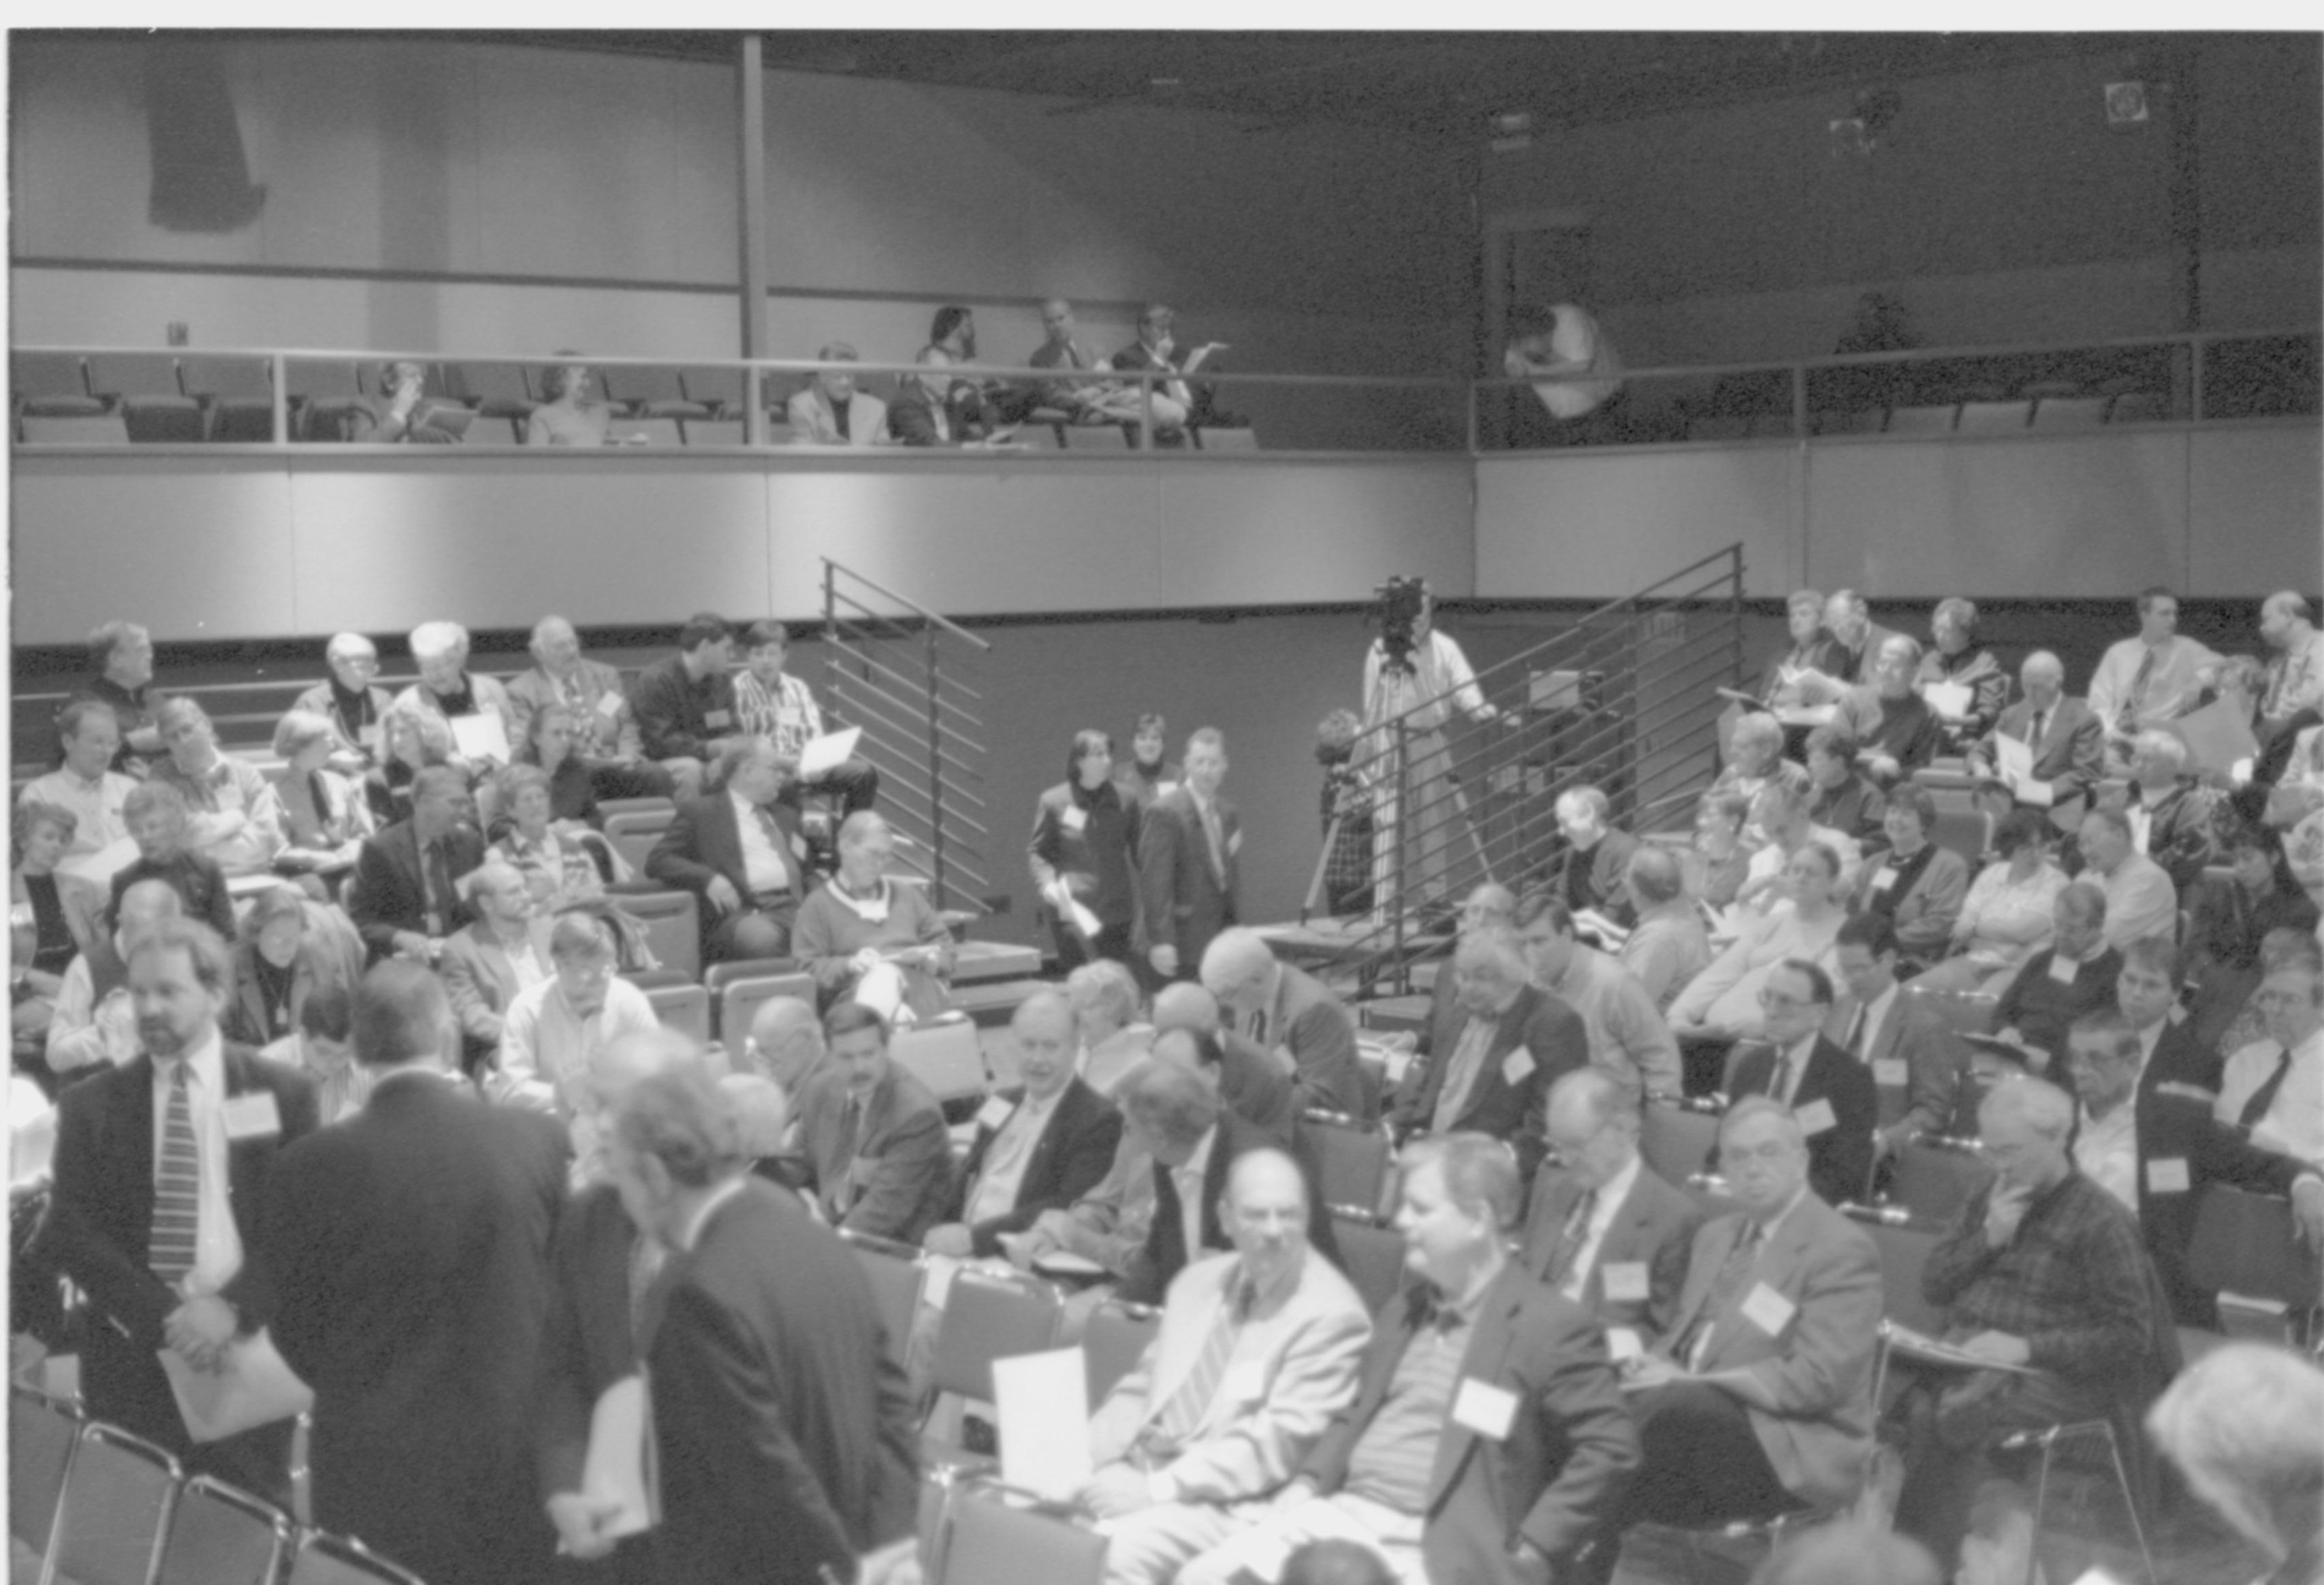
<point>1570,1240</point>
<point>1779,1079</point>
<point>2255,1109</point>
<point>2127,719</point>
<point>439,887</point>
<point>2033,730</point>
<point>1857,1030</point>
<point>170,1243</point>
<point>1733,1273</point>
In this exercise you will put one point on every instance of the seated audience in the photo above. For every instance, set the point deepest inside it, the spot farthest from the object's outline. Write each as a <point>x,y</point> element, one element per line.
<point>488,963</point>
<point>1257,1349</point>
<point>2140,901</point>
<point>1900,1039</point>
<point>1757,1398</point>
<point>2005,919</point>
<point>233,816</point>
<point>685,704</point>
<point>562,861</point>
<point>1896,731</point>
<point>1090,400</point>
<point>549,748</point>
<point>350,701</point>
<point>1148,773</point>
<point>1104,994</point>
<point>2295,676</point>
<point>56,915</point>
<point>1715,866</point>
<point>1490,907</point>
<point>1856,641</point>
<point>1509,1041</point>
<point>2074,975</point>
<point>1780,813</point>
<point>288,949</point>
<point>1830,1092</point>
<point>121,654</point>
<point>1627,1035</point>
<point>1668,945</point>
<point>448,688</point>
<point>770,703</point>
<point>602,732</point>
<point>1590,877</point>
<point>1084,855</point>
<point>2231,917</point>
<point>786,1043</point>
<point>873,1139</point>
<point>2274,1088</point>
<point>938,410</point>
<point>407,894</point>
<point>1347,814</point>
<point>1109,1225</point>
<point>1175,403</point>
<point>1286,1013</point>
<point>84,784</point>
<point>1841,797</point>
<point>738,850</point>
<point>2150,680</point>
<point>402,412</point>
<point>569,415</point>
<point>1474,1315</point>
<point>2063,736</point>
<point>1724,999</point>
<point>1955,658</point>
<point>867,938</point>
<point>2044,1272</point>
<point>829,411</point>
<point>1916,886</point>
<point>1809,649</point>
<point>1754,756</point>
<point>156,813</point>
<point>2170,814</point>
<point>1604,1229</point>
<point>412,738</point>
<point>1039,1148</point>
<point>2240,1426</point>
<point>555,1032</point>
<point>1249,1083</point>
<point>322,1047</point>
<point>325,817</point>
<point>95,1021</point>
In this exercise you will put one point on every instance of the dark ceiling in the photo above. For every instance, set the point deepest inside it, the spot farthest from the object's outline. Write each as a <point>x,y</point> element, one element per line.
<point>1445,85</point>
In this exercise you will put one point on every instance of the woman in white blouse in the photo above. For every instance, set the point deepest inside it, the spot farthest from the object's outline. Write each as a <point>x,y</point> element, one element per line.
<point>1724,999</point>
<point>2005,918</point>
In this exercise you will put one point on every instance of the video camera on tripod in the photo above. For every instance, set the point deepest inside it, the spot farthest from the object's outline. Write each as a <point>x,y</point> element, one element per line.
<point>1402,604</point>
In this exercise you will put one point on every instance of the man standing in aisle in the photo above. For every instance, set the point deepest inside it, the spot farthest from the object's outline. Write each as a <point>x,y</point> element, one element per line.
<point>1186,862</point>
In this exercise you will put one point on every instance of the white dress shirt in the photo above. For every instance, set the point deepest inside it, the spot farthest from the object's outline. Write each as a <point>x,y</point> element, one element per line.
<point>762,862</point>
<point>218,1241</point>
<point>2294,1123</point>
<point>2107,1150</point>
<point>1601,1220</point>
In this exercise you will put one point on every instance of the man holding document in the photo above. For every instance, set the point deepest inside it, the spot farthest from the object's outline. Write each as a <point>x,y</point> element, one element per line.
<point>2047,747</point>
<point>771,704</point>
<point>158,1164</point>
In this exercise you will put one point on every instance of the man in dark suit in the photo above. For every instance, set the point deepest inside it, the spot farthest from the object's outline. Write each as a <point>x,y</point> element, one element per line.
<point>156,1163</point>
<point>1490,904</point>
<point>1288,1014</point>
<point>1921,1077</point>
<point>406,896</point>
<point>2075,974</point>
<point>1589,879</point>
<point>1828,1091</point>
<point>1252,1084</point>
<point>1490,1075</point>
<point>738,850</point>
<point>1604,1230</point>
<point>2065,736</point>
<point>877,1154</point>
<point>1448,1490</point>
<point>1039,1149</point>
<point>1186,862</point>
<point>786,1441</point>
<point>410,1249</point>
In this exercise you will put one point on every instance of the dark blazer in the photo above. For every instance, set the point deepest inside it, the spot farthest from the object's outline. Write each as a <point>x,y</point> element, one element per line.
<point>1939,1096</point>
<point>480,981</point>
<point>197,880</point>
<point>1854,808</point>
<point>1254,1088</point>
<point>704,839</point>
<point>677,717</point>
<point>101,1213</point>
<point>410,1249</point>
<point>895,1183</point>
<point>1654,1227</point>
<point>1839,1157</point>
<point>1099,861</point>
<point>1186,901</point>
<point>589,1344</point>
<point>1570,1449</point>
<point>1594,880</point>
<point>1307,1021</point>
<point>788,1445</point>
<point>2071,754</point>
<point>330,954</point>
<point>2041,1009</point>
<point>1549,1030</point>
<point>1164,1255</point>
<point>387,894</point>
<point>1075,1149</point>
<point>1923,909</point>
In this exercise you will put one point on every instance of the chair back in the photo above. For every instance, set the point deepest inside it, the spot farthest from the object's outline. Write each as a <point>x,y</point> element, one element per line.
<point>942,1054</point>
<point>634,833</point>
<point>1351,1163</point>
<point>1113,1341</point>
<point>895,1272</point>
<point>1904,1247</point>
<point>42,1434</point>
<point>1936,1177</point>
<point>1677,1141</point>
<point>115,1509</point>
<point>673,929</point>
<point>342,1560</point>
<point>988,1540</point>
<point>651,804</point>
<point>222,1535</point>
<point>2247,1244</point>
<point>1965,1012</point>
<point>988,1316</point>
<point>1373,1258</point>
<point>741,997</point>
<point>683,1008</point>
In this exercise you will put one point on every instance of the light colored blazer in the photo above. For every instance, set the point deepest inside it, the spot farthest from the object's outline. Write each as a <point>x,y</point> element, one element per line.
<point>1819,1368</point>
<point>606,732</point>
<point>1292,1369</point>
<point>813,423</point>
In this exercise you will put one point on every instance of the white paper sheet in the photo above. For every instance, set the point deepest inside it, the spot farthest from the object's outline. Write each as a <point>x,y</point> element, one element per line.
<point>481,736</point>
<point>1043,1403</point>
<point>613,1471</point>
<point>1949,699</point>
<point>253,1387</point>
<point>100,867</point>
<point>829,752</point>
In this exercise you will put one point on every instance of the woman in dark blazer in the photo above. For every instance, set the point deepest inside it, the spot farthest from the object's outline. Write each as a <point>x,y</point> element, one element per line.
<point>1084,851</point>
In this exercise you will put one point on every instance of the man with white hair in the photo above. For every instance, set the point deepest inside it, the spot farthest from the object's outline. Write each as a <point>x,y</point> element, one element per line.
<point>1894,729</point>
<point>350,701</point>
<point>2170,812</point>
<point>2063,736</point>
<point>1589,876</point>
<point>1755,757</point>
<point>1490,905</point>
<point>1669,945</point>
<point>785,1042</point>
<point>1252,1085</point>
<point>1286,1012</point>
<point>605,730</point>
<point>446,686</point>
<point>235,818</point>
<point>488,964</point>
<point>2140,899</point>
<point>2240,1424</point>
<point>2295,676</point>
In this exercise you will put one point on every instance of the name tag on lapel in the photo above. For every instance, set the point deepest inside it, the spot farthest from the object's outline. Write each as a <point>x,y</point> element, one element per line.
<point>1234,843</point>
<point>253,1116</point>
<point>609,706</point>
<point>1768,1310</point>
<point>716,719</point>
<point>1245,1382</point>
<point>2168,1175</point>
<point>1074,820</point>
<point>1488,1410</point>
<point>1815,1118</point>
<point>1883,877</point>
<point>1516,1065</point>
<point>2063,970</point>
<point>1890,1072</point>
<point>994,1113</point>
<point>1624,1281</point>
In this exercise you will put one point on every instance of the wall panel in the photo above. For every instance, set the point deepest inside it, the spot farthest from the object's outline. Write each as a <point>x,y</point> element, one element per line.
<point>2256,509</point>
<point>1576,524</point>
<point>1270,533</point>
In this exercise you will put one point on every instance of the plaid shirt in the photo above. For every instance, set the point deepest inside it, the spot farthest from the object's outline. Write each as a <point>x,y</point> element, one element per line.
<point>2072,1282</point>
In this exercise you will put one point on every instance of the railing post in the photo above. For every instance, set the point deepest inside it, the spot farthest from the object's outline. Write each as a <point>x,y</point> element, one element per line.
<point>1735,609</point>
<point>280,368</point>
<point>935,772</point>
<point>2195,374</point>
<point>1145,411</point>
<point>1398,897</point>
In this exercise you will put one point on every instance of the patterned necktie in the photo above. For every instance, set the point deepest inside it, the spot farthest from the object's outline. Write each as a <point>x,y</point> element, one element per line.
<point>1779,1079</point>
<point>1733,1273</point>
<point>2256,1110</point>
<point>1460,1073</point>
<point>2126,720</point>
<point>1570,1240</point>
<point>2033,730</point>
<point>1187,1405</point>
<point>1857,1030</point>
<point>177,1188</point>
<point>850,1125</point>
<point>1217,842</point>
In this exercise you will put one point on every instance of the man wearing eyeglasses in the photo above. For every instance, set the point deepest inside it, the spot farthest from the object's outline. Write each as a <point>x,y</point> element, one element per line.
<point>2274,1088</point>
<point>1829,1092</point>
<point>1604,1229</point>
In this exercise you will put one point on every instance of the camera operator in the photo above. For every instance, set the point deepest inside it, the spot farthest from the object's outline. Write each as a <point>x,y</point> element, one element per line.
<point>1412,667</point>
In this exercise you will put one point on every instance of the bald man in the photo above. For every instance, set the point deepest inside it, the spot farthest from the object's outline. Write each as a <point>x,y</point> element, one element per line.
<point>2065,736</point>
<point>1491,904</point>
<point>1286,1013</point>
<point>1253,1085</point>
<point>1038,1148</point>
<point>785,1042</point>
<point>2295,676</point>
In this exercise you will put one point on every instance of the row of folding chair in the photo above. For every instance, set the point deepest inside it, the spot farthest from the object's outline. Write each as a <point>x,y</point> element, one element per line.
<point>90,1503</point>
<point>980,1533</point>
<point>1932,1178</point>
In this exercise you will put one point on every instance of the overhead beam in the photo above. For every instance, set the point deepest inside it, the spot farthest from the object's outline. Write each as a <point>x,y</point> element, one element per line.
<point>750,219</point>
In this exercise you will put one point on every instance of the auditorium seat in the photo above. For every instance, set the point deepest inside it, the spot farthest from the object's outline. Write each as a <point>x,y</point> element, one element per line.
<point>488,429</point>
<point>1373,1258</point>
<point>498,391</point>
<point>51,383</point>
<point>1866,422</point>
<point>633,835</point>
<point>2245,1247</point>
<point>988,1315</point>
<point>661,434</point>
<point>895,1272</point>
<point>322,393</point>
<point>944,1054</point>
<point>1232,439</point>
<point>1116,1336</point>
<point>236,394</point>
<point>1996,418</point>
<point>778,429</point>
<point>1930,418</point>
<point>987,1538</point>
<point>143,388</point>
<point>650,391</point>
<point>672,921</point>
<point>2069,412</point>
<point>713,432</point>
<point>974,963</point>
<point>43,1434</point>
<point>94,428</point>
<point>721,390</point>
<point>342,1560</point>
<point>1040,437</point>
<point>115,1505</point>
<point>222,1535</point>
<point>1351,1162</point>
<point>1097,438</point>
<point>1936,1177</point>
<point>1677,1141</point>
<point>2137,407</point>
<point>683,1008</point>
<point>741,998</point>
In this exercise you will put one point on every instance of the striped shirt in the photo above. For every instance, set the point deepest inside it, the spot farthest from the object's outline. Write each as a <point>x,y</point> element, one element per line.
<point>1391,1460</point>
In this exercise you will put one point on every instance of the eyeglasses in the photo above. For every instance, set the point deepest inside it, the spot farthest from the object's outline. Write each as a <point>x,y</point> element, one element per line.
<point>1772,1000</point>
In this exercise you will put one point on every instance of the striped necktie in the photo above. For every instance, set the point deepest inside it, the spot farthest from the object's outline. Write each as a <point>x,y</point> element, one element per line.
<point>1570,1240</point>
<point>2127,719</point>
<point>1192,1401</point>
<point>177,1188</point>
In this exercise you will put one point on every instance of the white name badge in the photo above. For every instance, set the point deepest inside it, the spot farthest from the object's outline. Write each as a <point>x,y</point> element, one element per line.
<point>2063,970</point>
<point>1768,1310</point>
<point>609,706</point>
<point>1815,1118</point>
<point>368,736</point>
<point>2168,1175</point>
<point>1623,1343</point>
<point>1624,1281</point>
<point>253,1116</point>
<point>788,716</point>
<point>1890,1072</point>
<point>1075,819</point>
<point>717,718</point>
<point>1516,1065</point>
<point>21,916</point>
<point>1488,1410</point>
<point>994,1113</point>
<point>1234,843</point>
<point>1883,877</point>
<point>1245,1382</point>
